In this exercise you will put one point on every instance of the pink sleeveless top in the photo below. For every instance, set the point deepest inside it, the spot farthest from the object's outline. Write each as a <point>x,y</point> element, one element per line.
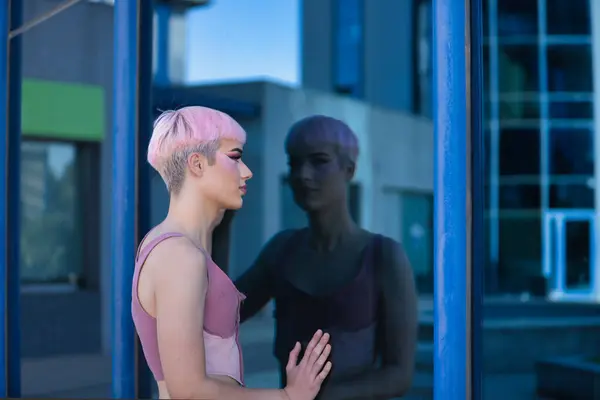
<point>221,320</point>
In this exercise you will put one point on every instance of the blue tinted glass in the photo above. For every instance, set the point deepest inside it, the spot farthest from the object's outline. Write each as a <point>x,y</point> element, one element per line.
<point>571,151</point>
<point>348,44</point>
<point>568,17</point>
<point>517,18</point>
<point>570,68</point>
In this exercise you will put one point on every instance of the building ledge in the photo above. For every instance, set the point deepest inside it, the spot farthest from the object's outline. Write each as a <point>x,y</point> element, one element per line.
<point>169,98</point>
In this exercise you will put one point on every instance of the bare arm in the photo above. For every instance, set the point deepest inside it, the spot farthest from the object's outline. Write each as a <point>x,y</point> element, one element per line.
<point>180,295</point>
<point>398,331</point>
<point>257,282</point>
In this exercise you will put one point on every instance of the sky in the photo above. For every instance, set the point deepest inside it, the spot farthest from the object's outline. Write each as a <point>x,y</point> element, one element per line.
<point>244,39</point>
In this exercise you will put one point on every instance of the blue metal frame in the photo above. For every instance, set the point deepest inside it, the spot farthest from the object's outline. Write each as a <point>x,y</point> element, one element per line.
<point>4,233</point>
<point>478,234</point>
<point>452,196</point>
<point>131,185</point>
<point>554,251</point>
<point>10,123</point>
<point>123,232</point>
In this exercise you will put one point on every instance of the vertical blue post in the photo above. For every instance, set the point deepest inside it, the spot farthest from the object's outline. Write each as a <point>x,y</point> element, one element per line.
<point>10,147</point>
<point>478,233</point>
<point>123,233</point>
<point>451,197</point>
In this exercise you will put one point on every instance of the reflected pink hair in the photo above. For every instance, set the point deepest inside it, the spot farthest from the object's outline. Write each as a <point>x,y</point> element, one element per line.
<point>179,133</point>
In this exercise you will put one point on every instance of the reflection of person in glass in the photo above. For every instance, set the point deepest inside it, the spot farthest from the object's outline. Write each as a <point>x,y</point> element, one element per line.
<point>184,307</point>
<point>356,285</point>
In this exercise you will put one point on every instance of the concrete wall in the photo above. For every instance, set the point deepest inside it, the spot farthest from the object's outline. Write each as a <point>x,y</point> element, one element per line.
<point>73,46</point>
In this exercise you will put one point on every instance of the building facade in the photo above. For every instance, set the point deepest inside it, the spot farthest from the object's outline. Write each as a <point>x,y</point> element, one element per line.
<point>540,124</point>
<point>539,63</point>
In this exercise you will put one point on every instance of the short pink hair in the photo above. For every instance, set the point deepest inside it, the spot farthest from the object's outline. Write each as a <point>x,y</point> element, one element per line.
<point>179,133</point>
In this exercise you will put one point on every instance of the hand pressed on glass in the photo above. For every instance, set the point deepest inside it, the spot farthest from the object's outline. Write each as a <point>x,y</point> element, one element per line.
<point>304,379</point>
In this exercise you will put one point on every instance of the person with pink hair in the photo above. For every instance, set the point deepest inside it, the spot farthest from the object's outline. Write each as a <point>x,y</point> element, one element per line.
<point>185,308</point>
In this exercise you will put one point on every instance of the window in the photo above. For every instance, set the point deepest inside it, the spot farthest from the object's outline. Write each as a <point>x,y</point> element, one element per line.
<point>571,196</point>
<point>518,68</point>
<point>519,196</point>
<point>577,237</point>
<point>571,152</point>
<point>348,15</point>
<point>571,110</point>
<point>519,108</point>
<point>519,152</point>
<point>568,17</point>
<point>424,42</point>
<point>51,227</point>
<point>517,18</point>
<point>570,68</point>
<point>520,242</point>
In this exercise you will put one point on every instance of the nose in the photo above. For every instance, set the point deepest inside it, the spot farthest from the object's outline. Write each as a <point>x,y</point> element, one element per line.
<point>302,172</point>
<point>245,172</point>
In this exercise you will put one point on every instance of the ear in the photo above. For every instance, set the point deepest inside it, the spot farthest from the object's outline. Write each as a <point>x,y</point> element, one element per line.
<point>350,169</point>
<point>196,164</point>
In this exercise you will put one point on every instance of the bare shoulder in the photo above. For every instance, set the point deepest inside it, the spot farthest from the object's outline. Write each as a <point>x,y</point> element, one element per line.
<point>177,261</point>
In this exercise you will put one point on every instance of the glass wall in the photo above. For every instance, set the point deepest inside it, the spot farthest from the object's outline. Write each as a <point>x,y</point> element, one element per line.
<point>538,128</point>
<point>54,221</point>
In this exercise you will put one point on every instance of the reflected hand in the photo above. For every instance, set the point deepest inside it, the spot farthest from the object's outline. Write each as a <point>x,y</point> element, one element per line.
<point>304,379</point>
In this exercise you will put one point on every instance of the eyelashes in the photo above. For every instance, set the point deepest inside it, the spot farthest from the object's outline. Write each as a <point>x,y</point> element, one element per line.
<point>236,158</point>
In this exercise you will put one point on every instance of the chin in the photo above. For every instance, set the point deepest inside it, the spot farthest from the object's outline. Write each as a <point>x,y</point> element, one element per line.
<point>308,206</point>
<point>234,205</point>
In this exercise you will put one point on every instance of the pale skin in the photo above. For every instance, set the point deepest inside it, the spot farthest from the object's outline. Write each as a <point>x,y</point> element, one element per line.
<point>173,284</point>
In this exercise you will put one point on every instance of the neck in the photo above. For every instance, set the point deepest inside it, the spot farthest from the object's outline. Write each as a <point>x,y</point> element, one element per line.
<point>194,217</point>
<point>329,226</point>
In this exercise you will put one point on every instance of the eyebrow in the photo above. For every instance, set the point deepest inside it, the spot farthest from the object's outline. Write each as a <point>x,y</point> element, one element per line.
<point>238,150</point>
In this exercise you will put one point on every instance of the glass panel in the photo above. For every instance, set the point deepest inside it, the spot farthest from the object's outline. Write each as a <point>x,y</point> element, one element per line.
<point>425,63</point>
<point>517,18</point>
<point>519,109</point>
<point>571,196</point>
<point>520,196</point>
<point>571,110</point>
<point>520,249</point>
<point>578,255</point>
<point>567,17</point>
<point>519,152</point>
<point>518,68</point>
<point>571,152</point>
<point>348,45</point>
<point>417,236</point>
<point>570,68</point>
<point>293,217</point>
<point>51,237</point>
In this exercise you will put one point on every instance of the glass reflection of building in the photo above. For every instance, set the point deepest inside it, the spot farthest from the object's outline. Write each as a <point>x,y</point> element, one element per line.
<point>539,134</point>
